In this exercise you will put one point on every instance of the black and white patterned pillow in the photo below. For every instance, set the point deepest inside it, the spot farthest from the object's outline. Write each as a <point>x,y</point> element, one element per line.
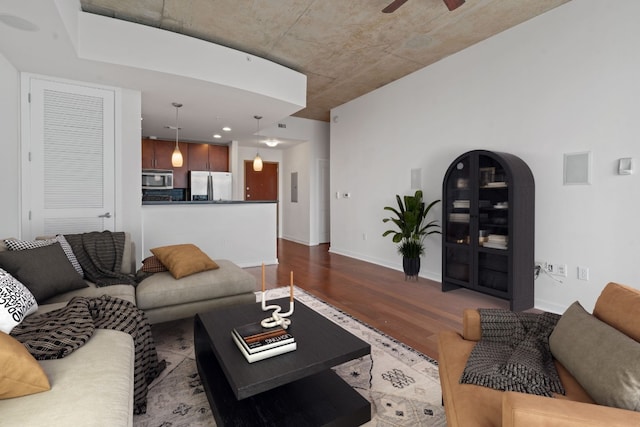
<point>19,245</point>
<point>16,302</point>
<point>66,247</point>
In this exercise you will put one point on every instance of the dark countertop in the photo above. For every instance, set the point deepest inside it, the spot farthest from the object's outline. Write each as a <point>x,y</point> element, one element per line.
<point>213,202</point>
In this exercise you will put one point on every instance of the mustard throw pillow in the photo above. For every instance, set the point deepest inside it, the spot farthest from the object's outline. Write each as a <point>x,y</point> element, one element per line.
<point>20,373</point>
<point>184,260</point>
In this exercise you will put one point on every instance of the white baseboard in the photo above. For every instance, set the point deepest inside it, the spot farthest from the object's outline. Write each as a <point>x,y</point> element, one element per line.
<point>396,266</point>
<point>248,264</point>
<point>549,306</point>
<point>294,240</point>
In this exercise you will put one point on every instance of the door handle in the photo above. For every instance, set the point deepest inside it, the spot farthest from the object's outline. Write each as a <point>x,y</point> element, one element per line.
<point>105,215</point>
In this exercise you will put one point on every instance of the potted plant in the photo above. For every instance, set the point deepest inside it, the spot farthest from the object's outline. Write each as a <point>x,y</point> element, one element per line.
<point>411,230</point>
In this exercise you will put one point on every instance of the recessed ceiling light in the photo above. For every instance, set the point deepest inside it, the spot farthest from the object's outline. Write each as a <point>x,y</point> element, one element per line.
<point>271,142</point>
<point>217,136</point>
<point>226,129</point>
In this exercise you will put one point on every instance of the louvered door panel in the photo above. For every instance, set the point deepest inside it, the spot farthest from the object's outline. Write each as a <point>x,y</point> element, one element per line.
<point>72,158</point>
<point>73,151</point>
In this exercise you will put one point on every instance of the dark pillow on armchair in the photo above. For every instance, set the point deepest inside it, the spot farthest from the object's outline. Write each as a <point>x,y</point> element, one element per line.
<point>45,271</point>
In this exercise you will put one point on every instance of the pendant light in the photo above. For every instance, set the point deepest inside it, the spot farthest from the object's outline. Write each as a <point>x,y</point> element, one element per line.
<point>257,162</point>
<point>176,156</point>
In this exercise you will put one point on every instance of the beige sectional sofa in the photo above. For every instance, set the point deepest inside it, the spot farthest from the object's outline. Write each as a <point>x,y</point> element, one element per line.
<point>93,386</point>
<point>164,298</point>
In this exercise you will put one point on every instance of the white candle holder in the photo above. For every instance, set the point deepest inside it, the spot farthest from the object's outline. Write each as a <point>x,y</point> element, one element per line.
<point>277,318</point>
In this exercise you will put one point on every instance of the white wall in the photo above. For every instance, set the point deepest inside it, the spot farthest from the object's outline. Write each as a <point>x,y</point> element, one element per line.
<point>301,222</point>
<point>319,151</point>
<point>297,226</point>
<point>10,149</point>
<point>566,81</point>
<point>128,152</point>
<point>128,168</point>
<point>297,221</point>
<point>244,233</point>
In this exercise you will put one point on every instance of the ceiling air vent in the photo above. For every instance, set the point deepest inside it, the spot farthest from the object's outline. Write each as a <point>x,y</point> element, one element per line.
<point>282,125</point>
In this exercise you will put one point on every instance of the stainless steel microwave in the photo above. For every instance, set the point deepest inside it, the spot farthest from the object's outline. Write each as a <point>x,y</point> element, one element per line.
<point>157,179</point>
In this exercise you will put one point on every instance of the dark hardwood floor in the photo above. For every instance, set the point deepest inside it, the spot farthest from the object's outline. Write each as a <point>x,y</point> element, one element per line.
<point>412,312</point>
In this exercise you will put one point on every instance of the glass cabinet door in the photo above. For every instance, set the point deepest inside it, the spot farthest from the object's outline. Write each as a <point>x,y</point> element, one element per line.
<point>459,195</point>
<point>493,224</point>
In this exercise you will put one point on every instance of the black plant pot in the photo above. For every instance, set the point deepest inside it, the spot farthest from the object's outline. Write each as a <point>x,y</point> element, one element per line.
<point>411,267</point>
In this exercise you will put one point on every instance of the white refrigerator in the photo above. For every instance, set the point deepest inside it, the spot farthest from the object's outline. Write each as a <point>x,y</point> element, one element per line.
<point>210,186</point>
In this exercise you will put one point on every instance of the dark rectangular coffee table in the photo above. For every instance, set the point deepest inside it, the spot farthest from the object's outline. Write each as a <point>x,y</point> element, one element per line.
<point>292,389</point>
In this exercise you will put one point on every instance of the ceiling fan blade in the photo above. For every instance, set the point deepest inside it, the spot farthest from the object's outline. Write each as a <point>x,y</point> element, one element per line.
<point>451,4</point>
<point>394,5</point>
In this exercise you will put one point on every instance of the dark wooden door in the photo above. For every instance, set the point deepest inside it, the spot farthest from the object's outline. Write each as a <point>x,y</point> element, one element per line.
<point>261,185</point>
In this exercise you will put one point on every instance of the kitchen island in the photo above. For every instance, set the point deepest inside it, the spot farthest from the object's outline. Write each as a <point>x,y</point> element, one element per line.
<point>242,232</point>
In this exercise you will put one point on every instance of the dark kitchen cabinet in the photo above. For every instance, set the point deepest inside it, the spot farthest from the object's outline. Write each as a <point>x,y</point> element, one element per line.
<point>208,157</point>
<point>156,154</point>
<point>488,227</point>
<point>148,153</point>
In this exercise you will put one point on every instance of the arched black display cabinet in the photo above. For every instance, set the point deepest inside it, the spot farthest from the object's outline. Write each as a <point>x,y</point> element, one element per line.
<point>488,227</point>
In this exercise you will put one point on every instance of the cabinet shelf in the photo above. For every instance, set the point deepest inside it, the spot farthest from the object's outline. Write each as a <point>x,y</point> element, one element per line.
<point>457,244</point>
<point>493,251</point>
<point>496,203</point>
<point>493,292</point>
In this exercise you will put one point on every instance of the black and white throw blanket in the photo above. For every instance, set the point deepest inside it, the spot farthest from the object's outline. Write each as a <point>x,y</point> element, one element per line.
<point>514,354</point>
<point>56,334</point>
<point>100,256</point>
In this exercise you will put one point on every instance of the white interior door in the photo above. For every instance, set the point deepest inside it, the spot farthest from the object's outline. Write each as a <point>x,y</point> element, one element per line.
<point>69,184</point>
<point>324,215</point>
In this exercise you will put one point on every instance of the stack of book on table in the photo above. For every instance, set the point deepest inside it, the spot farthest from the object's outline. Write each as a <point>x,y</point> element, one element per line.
<point>257,343</point>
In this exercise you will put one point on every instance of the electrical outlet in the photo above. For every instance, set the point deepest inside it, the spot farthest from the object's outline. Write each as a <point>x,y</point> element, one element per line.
<point>561,270</point>
<point>549,267</point>
<point>583,273</point>
<point>555,269</point>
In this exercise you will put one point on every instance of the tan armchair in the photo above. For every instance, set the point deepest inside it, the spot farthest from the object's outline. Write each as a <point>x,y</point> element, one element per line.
<point>468,405</point>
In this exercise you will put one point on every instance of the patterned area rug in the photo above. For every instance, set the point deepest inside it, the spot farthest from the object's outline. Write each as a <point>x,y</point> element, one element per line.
<point>401,383</point>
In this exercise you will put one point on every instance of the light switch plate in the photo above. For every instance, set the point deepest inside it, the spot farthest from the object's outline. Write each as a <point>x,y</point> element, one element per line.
<point>625,166</point>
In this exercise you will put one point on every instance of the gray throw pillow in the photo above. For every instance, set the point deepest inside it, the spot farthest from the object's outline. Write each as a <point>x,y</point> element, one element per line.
<point>602,359</point>
<point>20,245</point>
<point>45,271</point>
